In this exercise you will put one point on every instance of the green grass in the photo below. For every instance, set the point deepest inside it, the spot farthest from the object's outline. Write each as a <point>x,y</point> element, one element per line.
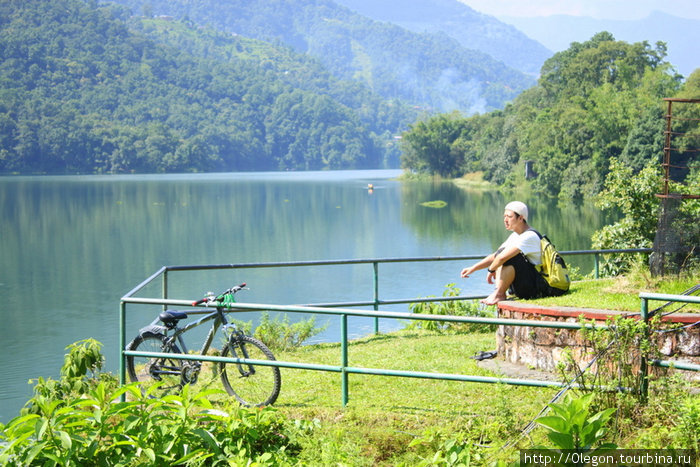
<point>406,421</point>
<point>386,414</point>
<point>389,421</point>
<point>621,293</point>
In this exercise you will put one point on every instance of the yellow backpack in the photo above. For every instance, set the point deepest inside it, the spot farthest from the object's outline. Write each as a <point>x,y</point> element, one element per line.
<point>553,267</point>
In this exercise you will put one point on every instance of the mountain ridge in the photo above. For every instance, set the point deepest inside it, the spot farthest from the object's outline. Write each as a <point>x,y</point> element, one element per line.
<point>431,71</point>
<point>471,28</point>
<point>90,88</point>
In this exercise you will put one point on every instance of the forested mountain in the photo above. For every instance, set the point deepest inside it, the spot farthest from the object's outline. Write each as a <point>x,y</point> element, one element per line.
<point>433,71</point>
<point>457,20</point>
<point>88,88</point>
<point>598,100</point>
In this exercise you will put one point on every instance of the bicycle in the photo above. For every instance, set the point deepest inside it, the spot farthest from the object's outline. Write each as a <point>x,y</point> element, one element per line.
<point>255,385</point>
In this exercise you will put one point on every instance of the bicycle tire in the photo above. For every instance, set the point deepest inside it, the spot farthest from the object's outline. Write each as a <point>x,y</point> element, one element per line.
<point>255,385</point>
<point>165,371</point>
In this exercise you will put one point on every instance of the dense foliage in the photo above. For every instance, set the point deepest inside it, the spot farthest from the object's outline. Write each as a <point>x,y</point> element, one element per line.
<point>92,427</point>
<point>89,88</point>
<point>433,71</point>
<point>598,100</point>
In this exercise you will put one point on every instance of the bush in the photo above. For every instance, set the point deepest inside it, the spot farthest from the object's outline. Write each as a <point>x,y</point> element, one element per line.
<point>184,429</point>
<point>614,379</point>
<point>283,335</point>
<point>454,308</point>
<point>672,418</point>
<point>85,424</point>
<point>83,357</point>
<point>633,195</point>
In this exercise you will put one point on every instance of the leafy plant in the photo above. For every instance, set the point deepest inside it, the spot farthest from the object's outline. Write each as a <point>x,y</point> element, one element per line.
<point>181,429</point>
<point>283,335</point>
<point>615,379</point>
<point>78,420</point>
<point>688,430</point>
<point>445,450</point>
<point>452,307</point>
<point>572,426</point>
<point>83,357</point>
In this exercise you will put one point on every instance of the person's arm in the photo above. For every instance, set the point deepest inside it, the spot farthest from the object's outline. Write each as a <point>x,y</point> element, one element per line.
<point>503,256</point>
<point>484,263</point>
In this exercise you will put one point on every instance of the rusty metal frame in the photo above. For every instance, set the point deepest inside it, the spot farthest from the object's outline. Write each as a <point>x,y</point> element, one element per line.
<point>668,149</point>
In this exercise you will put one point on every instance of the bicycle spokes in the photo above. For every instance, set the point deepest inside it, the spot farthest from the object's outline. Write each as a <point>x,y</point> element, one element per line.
<point>252,384</point>
<point>238,350</point>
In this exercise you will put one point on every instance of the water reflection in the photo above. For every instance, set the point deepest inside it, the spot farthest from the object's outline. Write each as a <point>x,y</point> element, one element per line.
<point>474,219</point>
<point>72,246</point>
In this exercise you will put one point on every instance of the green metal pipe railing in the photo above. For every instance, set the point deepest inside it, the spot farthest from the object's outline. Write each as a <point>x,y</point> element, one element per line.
<point>344,313</point>
<point>344,368</point>
<point>645,297</point>
<point>376,302</point>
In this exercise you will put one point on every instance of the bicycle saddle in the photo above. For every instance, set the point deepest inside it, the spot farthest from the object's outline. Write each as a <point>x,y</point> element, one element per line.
<point>171,317</point>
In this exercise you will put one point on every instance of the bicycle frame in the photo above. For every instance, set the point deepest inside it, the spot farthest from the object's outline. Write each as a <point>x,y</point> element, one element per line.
<point>219,321</point>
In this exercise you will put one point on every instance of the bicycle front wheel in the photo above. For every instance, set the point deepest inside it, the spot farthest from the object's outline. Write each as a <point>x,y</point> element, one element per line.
<point>167,372</point>
<point>253,385</point>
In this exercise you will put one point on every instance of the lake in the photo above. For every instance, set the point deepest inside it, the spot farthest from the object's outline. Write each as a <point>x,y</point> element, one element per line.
<point>72,246</point>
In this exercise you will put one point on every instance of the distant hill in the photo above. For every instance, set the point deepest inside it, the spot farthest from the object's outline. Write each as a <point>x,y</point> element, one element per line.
<point>88,88</point>
<point>681,35</point>
<point>432,71</point>
<point>470,28</point>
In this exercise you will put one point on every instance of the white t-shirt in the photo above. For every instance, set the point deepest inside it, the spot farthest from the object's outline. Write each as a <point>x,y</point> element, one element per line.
<point>528,242</point>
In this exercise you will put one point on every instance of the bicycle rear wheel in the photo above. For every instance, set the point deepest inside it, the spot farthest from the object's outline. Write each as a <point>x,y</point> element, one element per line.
<point>253,385</point>
<point>164,371</point>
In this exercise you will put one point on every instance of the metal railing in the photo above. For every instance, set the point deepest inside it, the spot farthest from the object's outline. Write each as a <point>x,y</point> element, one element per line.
<point>644,311</point>
<point>339,309</point>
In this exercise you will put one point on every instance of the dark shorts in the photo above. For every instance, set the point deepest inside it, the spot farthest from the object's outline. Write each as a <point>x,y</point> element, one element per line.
<point>528,283</point>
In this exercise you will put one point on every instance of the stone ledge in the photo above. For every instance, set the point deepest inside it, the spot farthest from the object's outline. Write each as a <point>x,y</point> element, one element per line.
<point>542,348</point>
<point>588,313</point>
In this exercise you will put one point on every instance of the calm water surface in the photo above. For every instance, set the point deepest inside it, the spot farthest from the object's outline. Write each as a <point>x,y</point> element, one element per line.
<point>72,246</point>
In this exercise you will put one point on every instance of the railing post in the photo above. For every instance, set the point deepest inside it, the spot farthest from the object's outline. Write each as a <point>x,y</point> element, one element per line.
<point>376,295</point>
<point>122,346</point>
<point>165,287</point>
<point>643,363</point>
<point>344,357</point>
<point>596,262</point>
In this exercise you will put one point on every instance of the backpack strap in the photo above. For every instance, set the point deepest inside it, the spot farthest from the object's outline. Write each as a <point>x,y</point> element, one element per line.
<point>538,234</point>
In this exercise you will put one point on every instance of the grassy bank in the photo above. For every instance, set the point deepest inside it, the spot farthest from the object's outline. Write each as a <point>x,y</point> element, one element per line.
<point>622,293</point>
<point>397,420</point>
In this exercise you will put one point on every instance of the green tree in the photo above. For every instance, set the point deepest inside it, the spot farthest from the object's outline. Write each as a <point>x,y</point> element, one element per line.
<point>634,196</point>
<point>593,102</point>
<point>428,145</point>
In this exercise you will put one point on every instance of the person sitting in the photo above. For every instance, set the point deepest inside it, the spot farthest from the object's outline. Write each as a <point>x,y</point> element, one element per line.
<point>513,266</point>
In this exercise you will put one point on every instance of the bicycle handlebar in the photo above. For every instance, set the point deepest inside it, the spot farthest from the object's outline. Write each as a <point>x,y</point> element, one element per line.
<point>220,297</point>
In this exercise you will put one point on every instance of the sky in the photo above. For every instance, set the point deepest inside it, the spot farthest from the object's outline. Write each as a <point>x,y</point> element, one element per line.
<point>599,9</point>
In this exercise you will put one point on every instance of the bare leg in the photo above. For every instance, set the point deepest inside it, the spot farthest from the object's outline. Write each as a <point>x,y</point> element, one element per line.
<point>504,277</point>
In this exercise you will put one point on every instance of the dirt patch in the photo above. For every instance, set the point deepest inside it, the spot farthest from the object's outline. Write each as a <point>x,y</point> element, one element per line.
<point>515,370</point>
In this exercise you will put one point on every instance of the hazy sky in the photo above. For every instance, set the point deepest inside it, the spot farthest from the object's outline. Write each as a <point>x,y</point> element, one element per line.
<point>600,9</point>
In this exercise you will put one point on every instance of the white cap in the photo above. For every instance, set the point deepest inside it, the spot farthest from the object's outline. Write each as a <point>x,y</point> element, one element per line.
<point>518,207</point>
